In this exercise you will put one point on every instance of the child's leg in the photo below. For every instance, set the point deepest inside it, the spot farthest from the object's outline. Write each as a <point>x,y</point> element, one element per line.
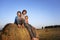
<point>22,22</point>
<point>22,25</point>
<point>19,25</point>
<point>30,30</point>
<point>33,30</point>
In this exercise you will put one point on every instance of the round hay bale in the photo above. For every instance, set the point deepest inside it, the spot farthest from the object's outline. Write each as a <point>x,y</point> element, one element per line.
<point>12,32</point>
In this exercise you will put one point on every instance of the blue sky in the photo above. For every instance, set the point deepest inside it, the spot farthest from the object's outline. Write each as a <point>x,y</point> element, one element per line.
<point>40,12</point>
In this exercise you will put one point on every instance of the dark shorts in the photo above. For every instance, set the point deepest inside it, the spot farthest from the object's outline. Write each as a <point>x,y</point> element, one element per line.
<point>22,21</point>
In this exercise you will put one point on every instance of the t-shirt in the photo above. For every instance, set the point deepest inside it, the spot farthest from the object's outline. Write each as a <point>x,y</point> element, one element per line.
<point>23,16</point>
<point>18,20</point>
<point>26,20</point>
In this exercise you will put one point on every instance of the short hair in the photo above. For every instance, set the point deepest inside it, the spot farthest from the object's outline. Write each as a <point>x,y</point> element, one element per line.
<point>24,11</point>
<point>26,16</point>
<point>18,12</point>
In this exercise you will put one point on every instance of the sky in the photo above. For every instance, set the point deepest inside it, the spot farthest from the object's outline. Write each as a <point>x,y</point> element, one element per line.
<point>40,12</point>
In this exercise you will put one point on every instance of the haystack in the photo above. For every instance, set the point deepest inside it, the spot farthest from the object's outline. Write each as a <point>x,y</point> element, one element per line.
<point>12,32</point>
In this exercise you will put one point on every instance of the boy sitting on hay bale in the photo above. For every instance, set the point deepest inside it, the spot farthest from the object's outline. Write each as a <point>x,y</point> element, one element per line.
<point>22,20</point>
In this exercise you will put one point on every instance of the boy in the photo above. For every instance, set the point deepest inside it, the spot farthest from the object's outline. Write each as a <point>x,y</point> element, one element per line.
<point>24,12</point>
<point>29,28</point>
<point>18,19</point>
<point>26,19</point>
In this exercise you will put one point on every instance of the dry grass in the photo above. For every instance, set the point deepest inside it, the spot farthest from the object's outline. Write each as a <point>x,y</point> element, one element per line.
<point>12,32</point>
<point>0,33</point>
<point>49,34</point>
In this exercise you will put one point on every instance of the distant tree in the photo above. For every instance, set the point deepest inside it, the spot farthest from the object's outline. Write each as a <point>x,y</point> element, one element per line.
<point>53,26</point>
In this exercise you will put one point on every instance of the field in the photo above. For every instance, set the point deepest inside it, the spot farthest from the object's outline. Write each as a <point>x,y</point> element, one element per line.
<point>0,35</point>
<point>42,34</point>
<point>48,34</point>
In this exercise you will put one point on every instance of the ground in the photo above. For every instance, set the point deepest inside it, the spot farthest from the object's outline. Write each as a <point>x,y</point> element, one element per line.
<point>48,34</point>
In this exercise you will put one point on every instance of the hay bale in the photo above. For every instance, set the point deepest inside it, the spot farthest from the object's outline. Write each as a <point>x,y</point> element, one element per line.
<point>0,35</point>
<point>12,32</point>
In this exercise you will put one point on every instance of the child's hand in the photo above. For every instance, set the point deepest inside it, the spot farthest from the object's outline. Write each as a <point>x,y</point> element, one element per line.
<point>19,25</point>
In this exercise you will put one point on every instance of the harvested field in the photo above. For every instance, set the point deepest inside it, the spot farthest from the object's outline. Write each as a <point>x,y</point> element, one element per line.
<point>49,34</point>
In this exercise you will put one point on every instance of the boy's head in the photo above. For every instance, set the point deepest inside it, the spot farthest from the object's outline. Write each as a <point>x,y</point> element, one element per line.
<point>24,12</point>
<point>18,13</point>
<point>26,17</point>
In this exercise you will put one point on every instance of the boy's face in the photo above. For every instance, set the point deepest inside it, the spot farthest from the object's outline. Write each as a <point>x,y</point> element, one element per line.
<point>18,14</point>
<point>24,13</point>
<point>26,17</point>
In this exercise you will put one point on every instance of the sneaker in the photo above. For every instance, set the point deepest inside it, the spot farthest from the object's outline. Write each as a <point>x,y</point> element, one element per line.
<point>35,39</point>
